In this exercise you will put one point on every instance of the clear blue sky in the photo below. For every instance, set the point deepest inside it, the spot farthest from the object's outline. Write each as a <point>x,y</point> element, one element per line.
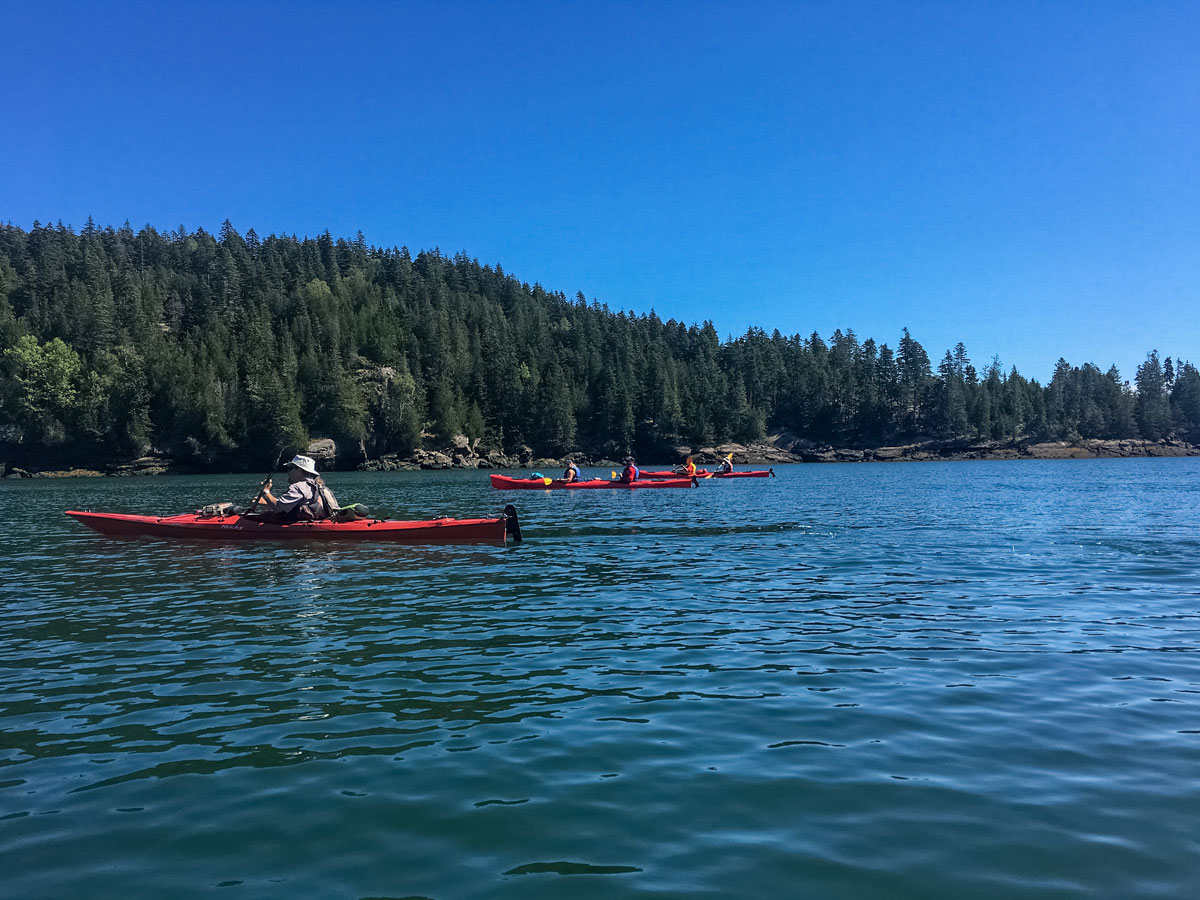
<point>1021,176</point>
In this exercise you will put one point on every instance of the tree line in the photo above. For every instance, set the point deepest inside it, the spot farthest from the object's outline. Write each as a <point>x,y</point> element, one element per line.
<point>217,349</point>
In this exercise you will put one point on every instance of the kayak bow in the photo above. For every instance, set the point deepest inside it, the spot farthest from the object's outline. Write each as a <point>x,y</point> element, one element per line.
<point>239,528</point>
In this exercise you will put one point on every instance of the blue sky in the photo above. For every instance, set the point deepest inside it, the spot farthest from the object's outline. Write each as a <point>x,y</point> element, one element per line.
<point>1021,176</point>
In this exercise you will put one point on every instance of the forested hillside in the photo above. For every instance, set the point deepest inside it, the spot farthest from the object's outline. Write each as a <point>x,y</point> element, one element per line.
<point>215,350</point>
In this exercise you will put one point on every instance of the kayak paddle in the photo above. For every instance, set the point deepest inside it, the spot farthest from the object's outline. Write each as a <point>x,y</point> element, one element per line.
<point>267,480</point>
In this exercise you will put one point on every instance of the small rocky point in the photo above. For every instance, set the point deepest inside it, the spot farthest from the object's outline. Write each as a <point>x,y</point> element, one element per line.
<point>788,448</point>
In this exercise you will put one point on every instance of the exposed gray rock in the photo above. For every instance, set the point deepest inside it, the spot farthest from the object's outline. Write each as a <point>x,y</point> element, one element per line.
<point>153,464</point>
<point>389,462</point>
<point>825,455</point>
<point>324,451</point>
<point>497,460</point>
<point>432,459</point>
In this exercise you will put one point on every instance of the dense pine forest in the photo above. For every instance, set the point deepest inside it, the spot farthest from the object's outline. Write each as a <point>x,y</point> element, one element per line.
<point>217,349</point>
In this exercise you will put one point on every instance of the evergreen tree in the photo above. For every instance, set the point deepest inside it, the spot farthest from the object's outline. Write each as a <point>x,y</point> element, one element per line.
<point>914,382</point>
<point>953,412</point>
<point>1152,409</point>
<point>1185,401</point>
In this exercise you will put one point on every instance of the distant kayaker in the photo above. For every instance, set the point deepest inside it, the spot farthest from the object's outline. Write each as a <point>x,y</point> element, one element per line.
<point>572,473</point>
<point>688,469</point>
<point>307,499</point>
<point>725,466</point>
<point>630,473</point>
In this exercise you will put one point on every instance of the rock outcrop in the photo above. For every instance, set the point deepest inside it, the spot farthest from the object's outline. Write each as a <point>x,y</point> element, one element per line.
<point>324,451</point>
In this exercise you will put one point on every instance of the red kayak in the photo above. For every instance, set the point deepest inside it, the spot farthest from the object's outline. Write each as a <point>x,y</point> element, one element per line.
<point>505,483</point>
<point>703,474</point>
<point>240,528</point>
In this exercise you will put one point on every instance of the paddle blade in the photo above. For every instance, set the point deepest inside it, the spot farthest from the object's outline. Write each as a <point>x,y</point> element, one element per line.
<point>547,480</point>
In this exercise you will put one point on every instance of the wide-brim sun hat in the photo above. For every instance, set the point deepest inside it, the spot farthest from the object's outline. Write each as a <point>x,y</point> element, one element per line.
<point>304,464</point>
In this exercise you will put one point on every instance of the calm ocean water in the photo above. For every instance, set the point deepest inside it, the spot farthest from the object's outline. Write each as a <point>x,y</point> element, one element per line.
<point>909,681</point>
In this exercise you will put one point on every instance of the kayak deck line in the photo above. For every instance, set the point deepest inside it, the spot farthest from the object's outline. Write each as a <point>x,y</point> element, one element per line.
<point>187,526</point>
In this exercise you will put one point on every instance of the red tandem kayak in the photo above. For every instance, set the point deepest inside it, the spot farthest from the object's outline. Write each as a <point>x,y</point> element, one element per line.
<point>703,474</point>
<point>241,528</point>
<point>505,483</point>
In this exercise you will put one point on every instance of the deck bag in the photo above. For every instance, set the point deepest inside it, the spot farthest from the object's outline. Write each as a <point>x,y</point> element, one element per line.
<point>351,513</point>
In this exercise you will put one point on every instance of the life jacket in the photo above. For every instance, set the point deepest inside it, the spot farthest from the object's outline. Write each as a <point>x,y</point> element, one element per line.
<point>630,473</point>
<point>326,505</point>
<point>323,504</point>
<point>575,469</point>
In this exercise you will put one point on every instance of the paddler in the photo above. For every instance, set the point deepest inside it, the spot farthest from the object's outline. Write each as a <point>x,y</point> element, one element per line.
<point>630,473</point>
<point>725,466</point>
<point>572,473</point>
<point>307,499</point>
<point>688,469</point>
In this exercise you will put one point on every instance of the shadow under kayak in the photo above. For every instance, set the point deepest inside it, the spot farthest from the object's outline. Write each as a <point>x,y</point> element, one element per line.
<point>242,528</point>
<point>507,483</point>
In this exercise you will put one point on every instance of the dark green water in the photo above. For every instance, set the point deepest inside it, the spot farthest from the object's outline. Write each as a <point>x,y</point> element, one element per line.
<point>915,681</point>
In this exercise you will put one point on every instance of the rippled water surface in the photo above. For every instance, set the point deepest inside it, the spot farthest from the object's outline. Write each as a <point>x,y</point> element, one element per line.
<point>916,680</point>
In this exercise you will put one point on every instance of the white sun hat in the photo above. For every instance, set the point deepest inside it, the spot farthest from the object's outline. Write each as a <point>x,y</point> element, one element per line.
<point>304,464</point>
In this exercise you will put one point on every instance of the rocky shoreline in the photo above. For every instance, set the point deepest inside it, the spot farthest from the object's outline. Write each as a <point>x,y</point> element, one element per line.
<point>802,451</point>
<point>783,448</point>
<point>777,449</point>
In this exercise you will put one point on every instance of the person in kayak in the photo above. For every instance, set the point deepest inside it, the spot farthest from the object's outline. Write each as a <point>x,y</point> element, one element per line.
<point>630,473</point>
<point>572,473</point>
<point>307,499</point>
<point>688,469</point>
<point>725,466</point>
